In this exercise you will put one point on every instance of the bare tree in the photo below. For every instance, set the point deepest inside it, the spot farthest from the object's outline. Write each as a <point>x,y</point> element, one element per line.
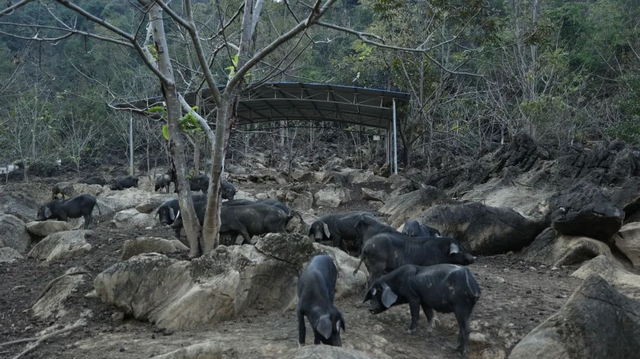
<point>153,50</point>
<point>76,137</point>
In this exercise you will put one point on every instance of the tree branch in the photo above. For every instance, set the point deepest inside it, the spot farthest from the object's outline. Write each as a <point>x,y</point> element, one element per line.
<point>364,37</point>
<point>70,30</point>
<point>9,10</point>
<point>312,19</point>
<point>118,31</point>
<point>203,123</point>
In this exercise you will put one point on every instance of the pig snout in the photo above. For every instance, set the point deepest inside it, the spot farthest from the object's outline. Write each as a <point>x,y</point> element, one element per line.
<point>469,258</point>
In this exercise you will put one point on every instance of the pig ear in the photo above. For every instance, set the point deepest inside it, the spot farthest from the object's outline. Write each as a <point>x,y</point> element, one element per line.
<point>453,249</point>
<point>324,326</point>
<point>47,212</point>
<point>325,228</point>
<point>388,296</point>
<point>172,214</point>
<point>340,323</point>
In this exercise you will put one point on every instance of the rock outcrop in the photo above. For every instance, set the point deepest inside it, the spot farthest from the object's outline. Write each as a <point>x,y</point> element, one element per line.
<point>52,301</point>
<point>555,249</point>
<point>131,218</point>
<point>627,240</point>
<point>218,286</point>
<point>9,255</point>
<point>612,271</point>
<point>13,233</point>
<point>332,196</point>
<point>596,322</point>
<point>61,245</point>
<point>483,229</point>
<point>206,350</point>
<point>328,352</point>
<point>18,205</point>
<point>140,245</point>
<point>45,228</point>
<point>401,208</point>
<point>585,210</point>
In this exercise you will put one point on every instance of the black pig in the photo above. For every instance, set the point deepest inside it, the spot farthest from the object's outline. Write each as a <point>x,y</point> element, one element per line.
<point>444,288</point>
<point>78,206</point>
<point>316,291</point>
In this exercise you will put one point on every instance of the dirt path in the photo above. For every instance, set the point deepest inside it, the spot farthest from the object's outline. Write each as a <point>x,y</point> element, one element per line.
<point>515,298</point>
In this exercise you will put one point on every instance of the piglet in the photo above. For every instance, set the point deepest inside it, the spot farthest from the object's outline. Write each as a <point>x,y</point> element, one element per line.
<point>316,290</point>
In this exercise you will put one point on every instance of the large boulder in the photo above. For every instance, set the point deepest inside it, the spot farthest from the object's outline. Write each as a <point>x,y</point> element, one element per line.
<point>61,245</point>
<point>612,271</point>
<point>332,196</point>
<point>150,204</point>
<point>13,233</point>
<point>131,218</point>
<point>213,288</point>
<point>585,210</point>
<point>300,201</point>
<point>52,301</point>
<point>9,255</point>
<point>366,177</point>
<point>627,240</point>
<point>92,189</point>
<point>401,208</point>
<point>347,283</point>
<point>65,189</point>
<point>483,229</point>
<point>116,201</point>
<point>627,197</point>
<point>400,185</point>
<point>45,228</point>
<point>372,195</point>
<point>151,245</point>
<point>231,168</point>
<point>206,350</point>
<point>554,249</point>
<point>19,205</point>
<point>596,322</point>
<point>328,352</point>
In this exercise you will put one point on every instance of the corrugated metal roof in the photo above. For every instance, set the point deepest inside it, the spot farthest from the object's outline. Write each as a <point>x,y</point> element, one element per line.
<point>302,101</point>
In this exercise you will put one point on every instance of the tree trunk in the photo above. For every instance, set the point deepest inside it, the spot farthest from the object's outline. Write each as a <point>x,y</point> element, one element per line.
<point>211,227</point>
<point>196,154</point>
<point>174,111</point>
<point>224,115</point>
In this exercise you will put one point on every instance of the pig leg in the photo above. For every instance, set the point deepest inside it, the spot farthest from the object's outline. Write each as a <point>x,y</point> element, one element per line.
<point>302,330</point>
<point>376,272</point>
<point>414,306</point>
<point>87,220</point>
<point>462,316</point>
<point>337,241</point>
<point>428,312</point>
<point>246,238</point>
<point>62,216</point>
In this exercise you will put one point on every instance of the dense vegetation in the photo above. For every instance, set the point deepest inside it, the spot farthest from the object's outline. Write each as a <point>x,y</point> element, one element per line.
<point>563,71</point>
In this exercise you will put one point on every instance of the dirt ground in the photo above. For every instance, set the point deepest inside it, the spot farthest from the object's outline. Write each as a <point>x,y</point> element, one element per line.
<point>516,296</point>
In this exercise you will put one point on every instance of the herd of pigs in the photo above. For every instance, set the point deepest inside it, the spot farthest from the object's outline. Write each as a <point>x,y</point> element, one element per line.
<point>418,267</point>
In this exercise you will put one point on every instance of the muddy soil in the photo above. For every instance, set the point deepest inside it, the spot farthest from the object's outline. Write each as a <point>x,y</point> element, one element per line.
<point>516,296</point>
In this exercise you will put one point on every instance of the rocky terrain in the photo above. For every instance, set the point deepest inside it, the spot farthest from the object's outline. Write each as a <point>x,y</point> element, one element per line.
<point>557,237</point>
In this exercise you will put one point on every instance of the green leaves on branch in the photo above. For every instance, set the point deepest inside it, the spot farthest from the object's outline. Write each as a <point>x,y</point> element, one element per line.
<point>188,123</point>
<point>234,66</point>
<point>153,51</point>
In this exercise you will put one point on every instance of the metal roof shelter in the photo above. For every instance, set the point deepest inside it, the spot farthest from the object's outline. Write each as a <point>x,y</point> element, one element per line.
<point>306,101</point>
